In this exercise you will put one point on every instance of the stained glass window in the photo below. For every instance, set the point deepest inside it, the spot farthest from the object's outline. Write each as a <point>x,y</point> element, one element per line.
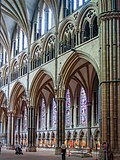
<point>43,114</point>
<point>54,113</point>
<point>83,107</point>
<point>25,118</point>
<point>50,115</point>
<point>67,109</point>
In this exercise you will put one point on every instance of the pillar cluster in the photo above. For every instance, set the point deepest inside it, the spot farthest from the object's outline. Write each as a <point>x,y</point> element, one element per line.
<point>109,21</point>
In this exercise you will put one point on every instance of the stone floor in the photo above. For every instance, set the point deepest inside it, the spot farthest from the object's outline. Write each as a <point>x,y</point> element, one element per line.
<point>41,154</point>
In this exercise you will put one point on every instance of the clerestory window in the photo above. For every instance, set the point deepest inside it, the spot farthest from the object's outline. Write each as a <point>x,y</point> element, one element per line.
<point>45,21</point>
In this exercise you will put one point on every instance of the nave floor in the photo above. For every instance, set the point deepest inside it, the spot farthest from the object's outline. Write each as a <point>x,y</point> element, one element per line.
<point>41,154</point>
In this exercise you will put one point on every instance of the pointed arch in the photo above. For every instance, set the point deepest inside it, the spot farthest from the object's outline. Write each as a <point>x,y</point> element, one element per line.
<point>17,91</point>
<point>42,79</point>
<point>71,62</point>
<point>83,12</point>
<point>64,25</point>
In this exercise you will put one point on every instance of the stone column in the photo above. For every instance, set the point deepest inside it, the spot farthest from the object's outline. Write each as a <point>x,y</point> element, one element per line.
<point>9,129</point>
<point>109,22</point>
<point>12,130</point>
<point>31,129</point>
<point>89,107</point>
<point>10,133</point>
<point>72,116</point>
<point>18,130</point>
<point>63,119</point>
<point>60,132</point>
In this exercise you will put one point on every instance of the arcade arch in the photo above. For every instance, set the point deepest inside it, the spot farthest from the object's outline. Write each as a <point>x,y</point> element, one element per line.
<point>18,116</point>
<point>79,80</point>
<point>76,95</point>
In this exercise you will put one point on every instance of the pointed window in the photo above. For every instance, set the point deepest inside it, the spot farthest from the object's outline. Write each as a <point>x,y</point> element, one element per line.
<point>42,114</point>
<point>86,32</point>
<point>83,107</point>
<point>67,109</point>
<point>95,27</point>
<point>24,118</point>
<point>54,114</point>
<point>45,21</point>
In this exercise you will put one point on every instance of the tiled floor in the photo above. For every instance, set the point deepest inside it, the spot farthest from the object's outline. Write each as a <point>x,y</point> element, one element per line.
<point>41,154</point>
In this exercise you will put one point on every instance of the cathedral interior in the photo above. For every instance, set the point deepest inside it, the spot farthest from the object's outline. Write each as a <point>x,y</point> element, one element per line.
<point>60,74</point>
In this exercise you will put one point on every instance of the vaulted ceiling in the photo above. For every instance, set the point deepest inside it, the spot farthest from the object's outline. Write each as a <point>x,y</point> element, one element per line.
<point>21,12</point>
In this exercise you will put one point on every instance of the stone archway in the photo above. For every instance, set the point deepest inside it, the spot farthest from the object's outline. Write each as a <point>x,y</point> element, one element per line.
<point>15,117</point>
<point>41,90</point>
<point>3,118</point>
<point>79,71</point>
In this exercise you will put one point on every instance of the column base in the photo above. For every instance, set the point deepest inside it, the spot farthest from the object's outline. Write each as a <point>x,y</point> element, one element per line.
<point>57,151</point>
<point>31,149</point>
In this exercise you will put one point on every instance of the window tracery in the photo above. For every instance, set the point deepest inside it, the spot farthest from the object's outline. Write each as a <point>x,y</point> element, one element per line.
<point>50,49</point>
<point>37,57</point>
<point>24,66</point>
<point>69,38</point>
<point>89,26</point>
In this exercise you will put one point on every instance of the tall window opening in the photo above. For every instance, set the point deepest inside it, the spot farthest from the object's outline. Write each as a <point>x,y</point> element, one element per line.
<point>42,115</point>
<point>72,5</point>
<point>50,49</point>
<point>67,109</point>
<point>24,119</point>
<point>19,42</point>
<point>86,32</point>
<point>54,114</point>
<point>3,56</point>
<point>50,120</point>
<point>83,107</point>
<point>77,111</point>
<point>95,27</point>
<point>45,21</point>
